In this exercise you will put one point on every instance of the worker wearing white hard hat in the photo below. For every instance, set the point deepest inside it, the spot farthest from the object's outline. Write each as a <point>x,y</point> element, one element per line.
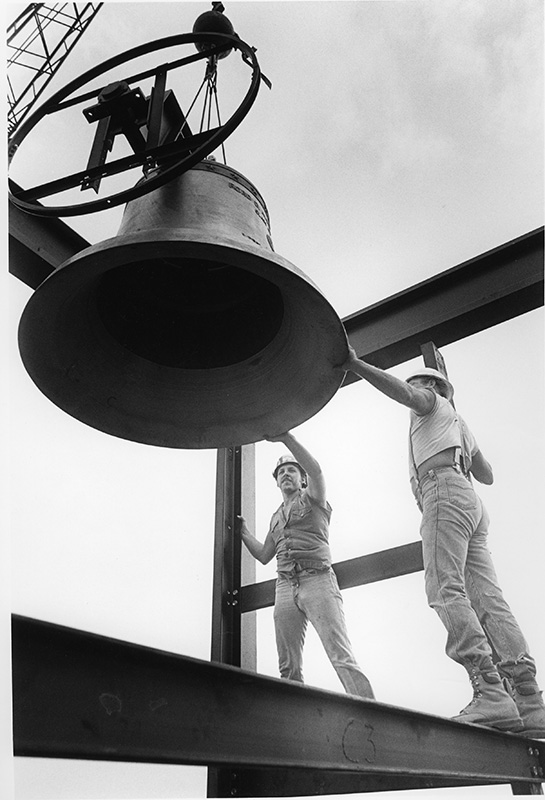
<point>439,377</point>
<point>306,588</point>
<point>289,459</point>
<point>461,584</point>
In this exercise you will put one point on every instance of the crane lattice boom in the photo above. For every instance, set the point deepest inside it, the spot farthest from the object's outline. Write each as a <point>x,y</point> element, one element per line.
<point>39,41</point>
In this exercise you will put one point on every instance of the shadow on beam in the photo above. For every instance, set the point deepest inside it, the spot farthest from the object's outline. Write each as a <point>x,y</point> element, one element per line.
<point>374,567</point>
<point>80,695</point>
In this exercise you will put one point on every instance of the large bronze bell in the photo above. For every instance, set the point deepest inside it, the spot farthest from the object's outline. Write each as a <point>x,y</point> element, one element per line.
<point>186,329</point>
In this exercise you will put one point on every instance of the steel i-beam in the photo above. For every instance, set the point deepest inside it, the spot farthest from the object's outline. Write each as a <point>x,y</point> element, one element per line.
<point>79,695</point>
<point>492,288</point>
<point>392,563</point>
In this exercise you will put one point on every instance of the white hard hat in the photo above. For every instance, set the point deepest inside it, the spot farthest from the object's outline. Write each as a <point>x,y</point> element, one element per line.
<point>289,459</point>
<point>429,372</point>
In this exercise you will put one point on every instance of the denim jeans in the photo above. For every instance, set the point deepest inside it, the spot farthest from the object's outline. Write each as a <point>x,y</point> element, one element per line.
<point>314,595</point>
<point>461,583</point>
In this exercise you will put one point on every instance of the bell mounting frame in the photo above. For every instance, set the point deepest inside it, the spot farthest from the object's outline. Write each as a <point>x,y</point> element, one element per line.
<point>173,158</point>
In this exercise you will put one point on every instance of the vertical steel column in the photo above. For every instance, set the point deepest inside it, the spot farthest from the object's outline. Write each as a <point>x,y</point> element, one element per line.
<point>248,635</point>
<point>225,646</point>
<point>433,358</point>
<point>232,642</point>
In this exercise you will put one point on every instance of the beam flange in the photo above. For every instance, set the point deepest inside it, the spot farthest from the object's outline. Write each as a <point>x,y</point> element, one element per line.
<point>80,695</point>
<point>280,782</point>
<point>471,297</point>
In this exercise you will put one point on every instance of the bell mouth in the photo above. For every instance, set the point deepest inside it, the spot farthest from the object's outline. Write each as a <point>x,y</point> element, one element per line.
<point>150,376</point>
<point>204,314</point>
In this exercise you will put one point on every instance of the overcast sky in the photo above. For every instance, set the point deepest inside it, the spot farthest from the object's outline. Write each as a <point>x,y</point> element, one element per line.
<point>400,139</point>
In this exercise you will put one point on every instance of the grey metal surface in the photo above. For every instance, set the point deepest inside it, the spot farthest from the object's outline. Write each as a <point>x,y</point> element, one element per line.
<point>196,336</point>
<point>38,246</point>
<point>471,297</point>
<point>79,695</point>
<point>233,638</point>
<point>282,782</point>
<point>396,561</point>
<point>226,619</point>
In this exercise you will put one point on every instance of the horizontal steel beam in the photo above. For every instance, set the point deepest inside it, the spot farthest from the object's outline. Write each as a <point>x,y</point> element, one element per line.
<point>79,695</point>
<point>402,560</point>
<point>491,288</point>
<point>484,291</point>
<point>37,246</point>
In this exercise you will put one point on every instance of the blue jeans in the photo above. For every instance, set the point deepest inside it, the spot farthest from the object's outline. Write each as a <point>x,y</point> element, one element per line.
<point>314,595</point>
<point>461,583</point>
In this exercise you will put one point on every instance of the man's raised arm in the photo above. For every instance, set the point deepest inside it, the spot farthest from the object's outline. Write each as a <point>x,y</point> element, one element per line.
<point>419,400</point>
<point>316,481</point>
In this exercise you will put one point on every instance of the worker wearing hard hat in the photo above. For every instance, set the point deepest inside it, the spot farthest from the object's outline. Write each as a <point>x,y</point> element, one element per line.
<point>461,584</point>
<point>306,586</point>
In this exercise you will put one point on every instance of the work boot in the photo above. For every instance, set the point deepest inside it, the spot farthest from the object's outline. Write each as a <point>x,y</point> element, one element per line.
<point>519,677</point>
<point>492,705</point>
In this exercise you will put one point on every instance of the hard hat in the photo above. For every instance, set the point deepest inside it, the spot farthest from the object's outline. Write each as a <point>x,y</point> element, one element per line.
<point>429,372</point>
<point>289,459</point>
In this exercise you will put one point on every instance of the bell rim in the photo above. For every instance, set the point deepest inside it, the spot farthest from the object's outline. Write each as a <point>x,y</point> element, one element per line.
<point>80,271</point>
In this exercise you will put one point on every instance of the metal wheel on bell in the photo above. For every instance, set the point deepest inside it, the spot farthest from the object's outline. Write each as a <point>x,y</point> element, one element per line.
<point>156,128</point>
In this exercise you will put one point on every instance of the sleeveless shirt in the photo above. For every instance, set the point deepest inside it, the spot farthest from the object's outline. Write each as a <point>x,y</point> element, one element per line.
<point>301,537</point>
